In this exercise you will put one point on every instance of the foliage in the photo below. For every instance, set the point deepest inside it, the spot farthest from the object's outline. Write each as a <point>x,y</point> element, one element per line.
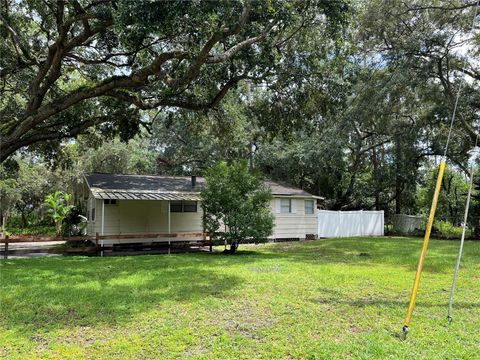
<point>58,204</point>
<point>31,230</point>
<point>188,142</point>
<point>358,118</point>
<point>448,231</point>
<point>272,301</point>
<point>74,224</point>
<point>117,157</point>
<point>9,196</point>
<point>236,204</point>
<point>453,194</point>
<point>73,66</point>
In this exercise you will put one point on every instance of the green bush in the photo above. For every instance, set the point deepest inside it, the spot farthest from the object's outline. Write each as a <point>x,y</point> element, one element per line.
<point>448,231</point>
<point>31,230</point>
<point>236,204</point>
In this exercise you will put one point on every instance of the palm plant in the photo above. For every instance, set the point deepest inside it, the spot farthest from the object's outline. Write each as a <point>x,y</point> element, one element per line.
<point>58,206</point>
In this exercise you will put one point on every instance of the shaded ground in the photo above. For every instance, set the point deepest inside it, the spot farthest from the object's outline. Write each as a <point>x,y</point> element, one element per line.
<point>26,250</point>
<point>339,298</point>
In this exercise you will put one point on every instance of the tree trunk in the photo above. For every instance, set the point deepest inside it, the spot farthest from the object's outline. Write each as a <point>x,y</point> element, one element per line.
<point>398,178</point>
<point>24,219</point>
<point>58,226</point>
<point>233,248</point>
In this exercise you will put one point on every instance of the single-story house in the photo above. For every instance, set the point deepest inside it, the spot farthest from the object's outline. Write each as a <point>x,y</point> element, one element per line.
<point>136,204</point>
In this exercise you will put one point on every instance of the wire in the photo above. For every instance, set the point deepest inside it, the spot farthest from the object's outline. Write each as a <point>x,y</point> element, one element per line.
<point>460,86</point>
<point>462,241</point>
<point>431,217</point>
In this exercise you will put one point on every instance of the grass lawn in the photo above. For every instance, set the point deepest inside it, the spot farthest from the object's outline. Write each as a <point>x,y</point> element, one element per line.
<point>312,300</point>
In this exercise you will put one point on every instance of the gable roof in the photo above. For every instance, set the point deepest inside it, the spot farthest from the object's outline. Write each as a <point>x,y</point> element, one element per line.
<point>157,187</point>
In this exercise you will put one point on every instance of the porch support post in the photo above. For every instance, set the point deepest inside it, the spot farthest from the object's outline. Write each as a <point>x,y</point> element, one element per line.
<point>103,217</point>
<point>169,229</point>
<point>168,216</point>
<point>103,225</point>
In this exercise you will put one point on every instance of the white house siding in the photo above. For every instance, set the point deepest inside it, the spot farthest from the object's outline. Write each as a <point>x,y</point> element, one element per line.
<point>90,224</point>
<point>296,224</point>
<point>142,216</point>
<point>187,222</point>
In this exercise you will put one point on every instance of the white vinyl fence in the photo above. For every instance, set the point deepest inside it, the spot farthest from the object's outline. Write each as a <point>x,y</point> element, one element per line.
<point>350,223</point>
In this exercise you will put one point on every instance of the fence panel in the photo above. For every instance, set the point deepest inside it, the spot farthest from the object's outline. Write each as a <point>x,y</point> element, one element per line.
<point>350,223</point>
<point>407,224</point>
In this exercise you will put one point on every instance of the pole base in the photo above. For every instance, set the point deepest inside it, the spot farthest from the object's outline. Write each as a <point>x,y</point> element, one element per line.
<point>404,332</point>
<point>450,319</point>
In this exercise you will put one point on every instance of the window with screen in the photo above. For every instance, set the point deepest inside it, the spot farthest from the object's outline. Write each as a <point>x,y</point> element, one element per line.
<point>110,201</point>
<point>183,206</point>
<point>189,206</point>
<point>285,206</point>
<point>176,206</point>
<point>309,207</point>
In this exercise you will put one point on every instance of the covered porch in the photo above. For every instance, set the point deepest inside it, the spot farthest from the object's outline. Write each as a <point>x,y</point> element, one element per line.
<point>166,217</point>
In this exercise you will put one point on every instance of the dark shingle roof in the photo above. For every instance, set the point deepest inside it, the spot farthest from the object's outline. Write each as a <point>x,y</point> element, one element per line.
<point>281,188</point>
<point>148,187</point>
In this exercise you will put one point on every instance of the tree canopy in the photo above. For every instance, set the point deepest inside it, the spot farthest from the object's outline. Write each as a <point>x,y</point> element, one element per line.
<point>349,101</point>
<point>68,66</point>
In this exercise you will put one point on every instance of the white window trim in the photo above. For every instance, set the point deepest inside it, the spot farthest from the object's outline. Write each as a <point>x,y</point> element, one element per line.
<point>183,206</point>
<point>290,206</point>
<point>313,206</point>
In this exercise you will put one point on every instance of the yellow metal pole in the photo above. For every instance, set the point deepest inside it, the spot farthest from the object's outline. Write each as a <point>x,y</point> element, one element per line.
<point>428,230</point>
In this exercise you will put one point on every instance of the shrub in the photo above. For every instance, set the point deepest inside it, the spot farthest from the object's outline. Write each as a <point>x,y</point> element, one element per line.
<point>59,207</point>
<point>72,224</point>
<point>31,230</point>
<point>448,231</point>
<point>236,204</point>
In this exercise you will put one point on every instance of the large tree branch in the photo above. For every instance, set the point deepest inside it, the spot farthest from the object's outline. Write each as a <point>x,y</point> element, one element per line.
<point>71,132</point>
<point>135,80</point>
<point>16,37</point>
<point>79,10</point>
<point>473,74</point>
<point>36,114</point>
<point>25,128</point>
<point>202,56</point>
<point>181,103</point>
<point>214,59</point>
<point>443,8</point>
<point>56,53</point>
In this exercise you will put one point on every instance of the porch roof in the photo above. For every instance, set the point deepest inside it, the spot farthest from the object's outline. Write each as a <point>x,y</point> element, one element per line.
<point>126,195</point>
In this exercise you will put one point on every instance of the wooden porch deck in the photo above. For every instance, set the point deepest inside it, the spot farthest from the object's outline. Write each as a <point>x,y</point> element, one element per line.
<point>161,241</point>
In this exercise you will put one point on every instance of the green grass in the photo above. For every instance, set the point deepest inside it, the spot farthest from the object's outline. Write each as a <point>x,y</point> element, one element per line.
<point>309,300</point>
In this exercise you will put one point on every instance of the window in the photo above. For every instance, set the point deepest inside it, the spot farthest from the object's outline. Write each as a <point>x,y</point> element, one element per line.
<point>91,214</point>
<point>183,206</point>
<point>285,206</point>
<point>110,201</point>
<point>175,206</point>
<point>189,206</point>
<point>309,207</point>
